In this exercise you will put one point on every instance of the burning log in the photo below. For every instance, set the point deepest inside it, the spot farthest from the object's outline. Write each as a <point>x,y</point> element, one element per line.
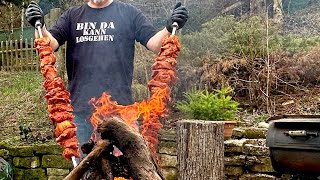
<point>136,162</point>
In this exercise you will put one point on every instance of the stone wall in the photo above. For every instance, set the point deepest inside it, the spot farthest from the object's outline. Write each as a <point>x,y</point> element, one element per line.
<point>38,162</point>
<point>246,157</point>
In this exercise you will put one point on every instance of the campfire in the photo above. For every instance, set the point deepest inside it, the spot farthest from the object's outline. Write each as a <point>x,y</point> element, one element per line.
<point>115,124</point>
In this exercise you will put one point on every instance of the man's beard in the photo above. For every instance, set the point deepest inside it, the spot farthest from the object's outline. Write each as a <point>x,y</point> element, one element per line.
<point>98,1</point>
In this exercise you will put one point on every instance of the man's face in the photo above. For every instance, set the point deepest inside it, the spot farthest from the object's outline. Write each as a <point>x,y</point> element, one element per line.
<point>98,1</point>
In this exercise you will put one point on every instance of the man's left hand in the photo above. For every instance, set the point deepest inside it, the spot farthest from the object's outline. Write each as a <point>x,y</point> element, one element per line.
<point>179,15</point>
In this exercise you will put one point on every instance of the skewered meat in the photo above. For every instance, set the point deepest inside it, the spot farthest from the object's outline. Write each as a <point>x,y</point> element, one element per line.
<point>59,104</point>
<point>60,107</point>
<point>49,71</point>
<point>61,116</point>
<point>163,75</point>
<point>57,92</point>
<point>53,83</point>
<point>48,60</point>
<point>67,133</point>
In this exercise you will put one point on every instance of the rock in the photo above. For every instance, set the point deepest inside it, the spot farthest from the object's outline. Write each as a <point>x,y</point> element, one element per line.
<point>48,149</point>
<point>251,160</point>
<point>22,151</point>
<point>3,145</point>
<point>26,162</point>
<point>263,125</point>
<point>56,161</point>
<point>234,160</point>
<point>257,142</point>
<point>237,133</point>
<point>4,153</point>
<point>57,172</point>
<point>255,133</point>
<point>166,134</point>
<point>167,160</point>
<point>250,149</point>
<point>234,146</point>
<point>169,148</point>
<point>30,174</point>
<point>55,177</point>
<point>170,173</point>
<point>264,165</point>
<point>257,177</point>
<point>18,173</point>
<point>233,170</point>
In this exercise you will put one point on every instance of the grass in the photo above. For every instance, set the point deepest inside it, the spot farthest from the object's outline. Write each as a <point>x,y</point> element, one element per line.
<point>24,115</point>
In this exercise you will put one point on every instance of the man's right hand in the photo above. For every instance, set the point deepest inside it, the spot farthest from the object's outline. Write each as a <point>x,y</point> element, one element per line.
<point>34,13</point>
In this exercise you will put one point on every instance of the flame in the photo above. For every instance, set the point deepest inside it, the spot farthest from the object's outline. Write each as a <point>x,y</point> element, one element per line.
<point>151,110</point>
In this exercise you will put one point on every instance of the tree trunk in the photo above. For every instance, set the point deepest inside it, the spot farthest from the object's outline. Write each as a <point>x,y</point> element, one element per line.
<point>277,12</point>
<point>200,150</point>
<point>258,7</point>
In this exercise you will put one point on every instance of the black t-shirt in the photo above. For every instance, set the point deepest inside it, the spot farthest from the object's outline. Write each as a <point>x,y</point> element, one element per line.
<point>100,50</point>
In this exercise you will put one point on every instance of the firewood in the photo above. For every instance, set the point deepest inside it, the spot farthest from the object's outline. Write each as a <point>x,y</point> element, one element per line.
<point>94,155</point>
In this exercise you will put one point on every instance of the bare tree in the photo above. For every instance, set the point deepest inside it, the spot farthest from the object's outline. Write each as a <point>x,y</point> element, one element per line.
<point>277,11</point>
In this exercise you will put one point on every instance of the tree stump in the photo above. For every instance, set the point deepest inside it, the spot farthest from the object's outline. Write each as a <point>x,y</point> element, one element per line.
<point>200,150</point>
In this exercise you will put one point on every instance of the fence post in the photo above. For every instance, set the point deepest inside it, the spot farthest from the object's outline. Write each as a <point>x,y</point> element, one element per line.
<point>11,55</point>
<point>7,55</point>
<point>27,55</point>
<point>16,54</point>
<point>200,150</point>
<point>2,56</point>
<point>21,55</point>
<point>32,59</point>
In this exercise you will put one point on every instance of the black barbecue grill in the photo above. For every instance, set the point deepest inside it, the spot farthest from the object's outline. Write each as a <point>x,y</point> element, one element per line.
<point>294,143</point>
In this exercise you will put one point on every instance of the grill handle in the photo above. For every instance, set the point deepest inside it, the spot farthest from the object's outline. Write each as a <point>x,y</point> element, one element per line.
<point>300,133</point>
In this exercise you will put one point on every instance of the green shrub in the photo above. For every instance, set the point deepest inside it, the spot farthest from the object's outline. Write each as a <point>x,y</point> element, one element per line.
<point>205,105</point>
<point>250,38</point>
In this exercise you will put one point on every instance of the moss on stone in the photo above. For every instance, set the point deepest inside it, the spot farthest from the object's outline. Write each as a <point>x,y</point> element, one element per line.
<point>18,173</point>
<point>55,177</point>
<point>56,161</point>
<point>170,173</point>
<point>35,174</point>
<point>48,149</point>
<point>3,145</point>
<point>4,153</point>
<point>26,162</point>
<point>166,147</point>
<point>22,151</point>
<point>57,172</point>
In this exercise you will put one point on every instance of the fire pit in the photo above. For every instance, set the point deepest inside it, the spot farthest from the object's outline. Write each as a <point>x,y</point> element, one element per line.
<point>294,142</point>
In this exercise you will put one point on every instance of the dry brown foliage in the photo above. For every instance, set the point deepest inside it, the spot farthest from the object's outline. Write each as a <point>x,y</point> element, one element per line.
<point>293,81</point>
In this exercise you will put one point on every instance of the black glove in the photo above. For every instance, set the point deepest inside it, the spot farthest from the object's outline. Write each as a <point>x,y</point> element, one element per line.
<point>179,15</point>
<point>34,13</point>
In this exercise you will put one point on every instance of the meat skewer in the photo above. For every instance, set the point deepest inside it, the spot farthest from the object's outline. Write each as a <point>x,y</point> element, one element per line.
<point>163,75</point>
<point>59,104</point>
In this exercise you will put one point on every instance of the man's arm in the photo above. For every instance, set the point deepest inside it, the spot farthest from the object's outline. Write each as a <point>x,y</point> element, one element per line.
<point>154,43</point>
<point>180,16</point>
<point>34,14</point>
<point>53,42</point>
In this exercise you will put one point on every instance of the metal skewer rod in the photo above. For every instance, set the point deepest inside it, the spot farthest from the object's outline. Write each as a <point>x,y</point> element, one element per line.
<point>38,26</point>
<point>175,26</point>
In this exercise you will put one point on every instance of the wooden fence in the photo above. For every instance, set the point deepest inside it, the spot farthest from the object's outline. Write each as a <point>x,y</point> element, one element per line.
<point>18,55</point>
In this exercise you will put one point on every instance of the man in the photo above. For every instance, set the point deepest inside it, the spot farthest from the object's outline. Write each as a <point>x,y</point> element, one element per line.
<point>101,35</point>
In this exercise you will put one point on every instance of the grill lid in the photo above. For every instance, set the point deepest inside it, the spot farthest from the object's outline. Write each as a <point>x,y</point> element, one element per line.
<point>294,132</point>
